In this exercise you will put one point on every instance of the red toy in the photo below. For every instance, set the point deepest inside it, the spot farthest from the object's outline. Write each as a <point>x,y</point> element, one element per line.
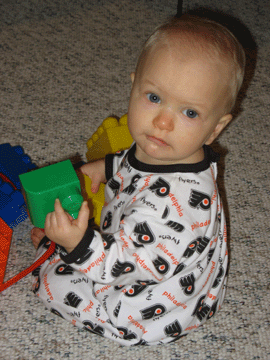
<point>5,240</point>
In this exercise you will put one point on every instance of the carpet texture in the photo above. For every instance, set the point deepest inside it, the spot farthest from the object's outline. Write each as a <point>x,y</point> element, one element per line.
<point>64,67</point>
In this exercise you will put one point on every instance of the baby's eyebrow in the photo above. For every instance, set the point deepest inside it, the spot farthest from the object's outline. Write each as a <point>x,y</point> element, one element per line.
<point>147,82</point>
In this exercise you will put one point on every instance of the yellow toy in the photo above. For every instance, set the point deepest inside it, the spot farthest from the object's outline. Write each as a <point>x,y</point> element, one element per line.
<point>97,199</point>
<point>110,137</point>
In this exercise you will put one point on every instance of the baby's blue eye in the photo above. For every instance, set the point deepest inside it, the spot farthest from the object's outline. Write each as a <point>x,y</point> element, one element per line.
<point>192,114</point>
<point>153,98</point>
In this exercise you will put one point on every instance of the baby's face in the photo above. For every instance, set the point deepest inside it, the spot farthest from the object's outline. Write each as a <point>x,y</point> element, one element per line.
<point>176,106</point>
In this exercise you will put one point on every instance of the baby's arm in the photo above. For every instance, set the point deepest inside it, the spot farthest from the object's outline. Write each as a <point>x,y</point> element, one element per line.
<point>96,171</point>
<point>61,228</point>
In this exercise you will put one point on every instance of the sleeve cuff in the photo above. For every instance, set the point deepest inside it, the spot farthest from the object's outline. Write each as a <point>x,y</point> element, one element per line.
<point>80,249</point>
<point>109,166</point>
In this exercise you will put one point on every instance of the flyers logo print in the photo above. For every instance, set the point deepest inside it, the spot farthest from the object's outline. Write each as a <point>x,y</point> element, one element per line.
<point>137,289</point>
<point>132,187</point>
<point>201,310</point>
<point>56,312</point>
<point>108,240</point>
<point>187,284</point>
<point>160,187</point>
<point>161,265</point>
<point>166,212</point>
<point>202,243</point>
<point>141,342</point>
<point>174,329</point>
<point>197,245</point>
<point>114,186</point>
<point>119,287</point>
<point>72,299</point>
<point>146,282</point>
<point>191,249</point>
<point>199,200</point>
<point>64,269</point>
<point>94,328</point>
<point>179,268</point>
<point>47,244</point>
<point>126,334</point>
<point>119,153</point>
<point>143,233</point>
<point>209,255</point>
<point>212,310</point>
<point>36,285</point>
<point>219,277</point>
<point>175,226</point>
<point>137,245</point>
<point>153,311</point>
<point>120,268</point>
<point>36,271</point>
<point>117,309</point>
<point>107,221</point>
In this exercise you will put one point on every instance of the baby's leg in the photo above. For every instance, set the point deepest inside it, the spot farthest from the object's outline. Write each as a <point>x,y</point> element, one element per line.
<point>36,236</point>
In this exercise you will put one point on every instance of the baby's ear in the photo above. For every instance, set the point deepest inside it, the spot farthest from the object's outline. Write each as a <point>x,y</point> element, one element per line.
<point>223,122</point>
<point>132,76</point>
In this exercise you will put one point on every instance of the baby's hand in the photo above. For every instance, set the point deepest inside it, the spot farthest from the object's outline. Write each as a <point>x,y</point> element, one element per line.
<point>61,228</point>
<point>96,171</point>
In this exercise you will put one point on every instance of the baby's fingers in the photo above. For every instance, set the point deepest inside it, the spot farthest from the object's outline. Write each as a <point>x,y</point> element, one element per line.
<point>87,169</point>
<point>60,215</point>
<point>48,220</point>
<point>50,223</point>
<point>95,185</point>
<point>83,217</point>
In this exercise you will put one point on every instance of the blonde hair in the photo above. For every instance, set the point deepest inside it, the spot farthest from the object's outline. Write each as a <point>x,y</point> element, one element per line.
<point>207,35</point>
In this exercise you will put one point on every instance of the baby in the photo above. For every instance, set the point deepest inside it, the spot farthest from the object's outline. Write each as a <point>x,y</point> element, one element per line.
<point>157,269</point>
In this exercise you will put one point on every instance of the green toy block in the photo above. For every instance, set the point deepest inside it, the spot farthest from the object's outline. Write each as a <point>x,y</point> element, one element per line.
<point>41,188</point>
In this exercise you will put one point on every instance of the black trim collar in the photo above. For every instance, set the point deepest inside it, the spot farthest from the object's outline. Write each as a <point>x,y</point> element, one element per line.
<point>209,156</point>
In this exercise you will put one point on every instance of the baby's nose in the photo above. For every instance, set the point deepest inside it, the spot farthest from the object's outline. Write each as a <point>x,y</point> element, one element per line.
<point>164,121</point>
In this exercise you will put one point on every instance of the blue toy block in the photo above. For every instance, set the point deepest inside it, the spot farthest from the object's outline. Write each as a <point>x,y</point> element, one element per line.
<point>12,205</point>
<point>14,162</point>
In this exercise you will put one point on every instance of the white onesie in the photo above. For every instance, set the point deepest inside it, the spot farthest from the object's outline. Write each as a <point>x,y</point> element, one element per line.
<point>158,267</point>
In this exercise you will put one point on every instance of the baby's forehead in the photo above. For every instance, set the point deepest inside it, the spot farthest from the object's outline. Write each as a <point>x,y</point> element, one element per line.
<point>191,44</point>
<point>182,49</point>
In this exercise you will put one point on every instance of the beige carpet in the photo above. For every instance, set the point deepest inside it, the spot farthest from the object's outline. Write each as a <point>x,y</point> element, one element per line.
<point>64,67</point>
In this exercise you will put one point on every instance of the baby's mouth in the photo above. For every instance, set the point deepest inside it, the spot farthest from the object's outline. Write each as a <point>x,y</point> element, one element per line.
<point>157,141</point>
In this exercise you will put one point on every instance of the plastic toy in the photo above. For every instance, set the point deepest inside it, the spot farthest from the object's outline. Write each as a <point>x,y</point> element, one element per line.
<point>41,188</point>
<point>5,240</point>
<point>12,205</point>
<point>110,137</point>
<point>97,199</point>
<point>13,162</point>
